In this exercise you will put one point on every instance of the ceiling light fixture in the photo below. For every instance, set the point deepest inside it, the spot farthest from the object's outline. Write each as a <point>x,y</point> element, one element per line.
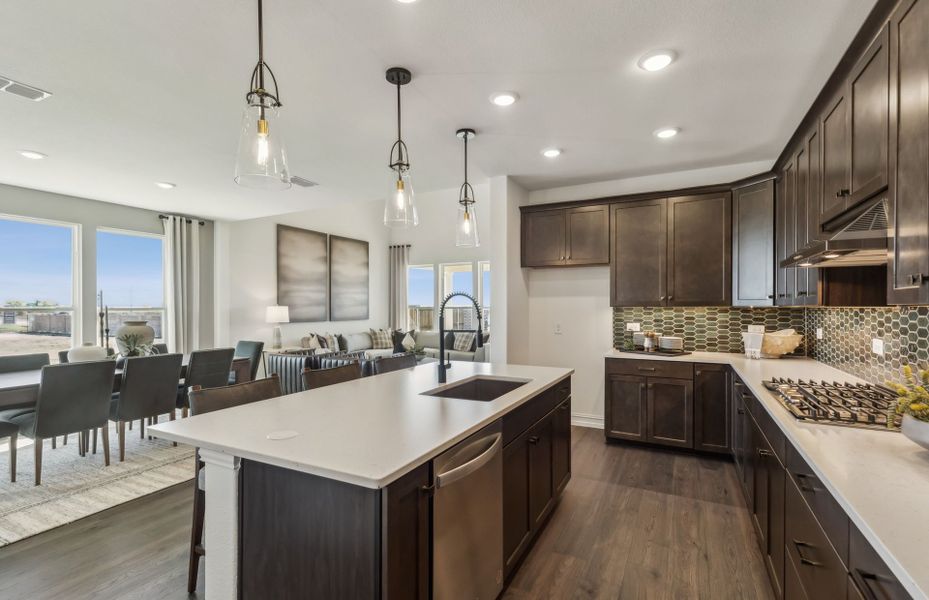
<point>166,185</point>
<point>466,230</point>
<point>551,153</point>
<point>667,132</point>
<point>406,1</point>
<point>832,255</point>
<point>657,60</point>
<point>261,161</point>
<point>31,154</point>
<point>504,98</point>
<point>400,207</point>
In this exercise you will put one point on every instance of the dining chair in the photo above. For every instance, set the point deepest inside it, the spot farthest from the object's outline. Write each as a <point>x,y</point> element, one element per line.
<point>317,378</point>
<point>63,357</point>
<point>23,362</point>
<point>394,363</point>
<point>289,367</point>
<point>251,351</point>
<point>205,401</point>
<point>73,398</point>
<point>11,431</point>
<point>160,348</point>
<point>148,389</point>
<point>207,369</point>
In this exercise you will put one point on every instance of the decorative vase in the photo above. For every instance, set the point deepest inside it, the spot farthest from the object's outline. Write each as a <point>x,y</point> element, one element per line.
<point>916,430</point>
<point>135,338</point>
<point>86,352</point>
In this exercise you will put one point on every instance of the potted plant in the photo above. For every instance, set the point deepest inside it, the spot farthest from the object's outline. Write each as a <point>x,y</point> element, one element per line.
<point>913,404</point>
<point>133,344</point>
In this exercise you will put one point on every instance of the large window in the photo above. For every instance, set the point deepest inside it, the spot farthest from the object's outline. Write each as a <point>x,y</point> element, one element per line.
<point>421,296</point>
<point>484,281</point>
<point>130,277</point>
<point>428,285</point>
<point>459,312</point>
<point>38,286</point>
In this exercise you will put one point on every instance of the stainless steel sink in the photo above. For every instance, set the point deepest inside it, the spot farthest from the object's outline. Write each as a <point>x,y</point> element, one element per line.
<point>480,388</point>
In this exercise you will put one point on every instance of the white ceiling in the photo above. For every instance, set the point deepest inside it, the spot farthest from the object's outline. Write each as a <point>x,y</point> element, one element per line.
<point>152,90</point>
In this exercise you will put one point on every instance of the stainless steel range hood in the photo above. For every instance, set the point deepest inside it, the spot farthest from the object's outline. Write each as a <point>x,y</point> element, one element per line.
<point>858,238</point>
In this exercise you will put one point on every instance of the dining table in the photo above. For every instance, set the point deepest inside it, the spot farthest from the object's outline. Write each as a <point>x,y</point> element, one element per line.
<point>20,389</point>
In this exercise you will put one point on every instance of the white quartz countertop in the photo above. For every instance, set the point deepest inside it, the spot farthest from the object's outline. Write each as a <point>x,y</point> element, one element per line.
<point>367,432</point>
<point>880,478</point>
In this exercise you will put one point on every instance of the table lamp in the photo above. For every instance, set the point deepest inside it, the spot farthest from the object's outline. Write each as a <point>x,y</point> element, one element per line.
<point>277,315</point>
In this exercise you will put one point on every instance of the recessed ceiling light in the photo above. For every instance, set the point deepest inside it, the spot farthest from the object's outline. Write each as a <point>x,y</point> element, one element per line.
<point>806,264</point>
<point>656,61</point>
<point>406,1</point>
<point>504,98</point>
<point>166,185</point>
<point>832,255</point>
<point>666,132</point>
<point>32,154</point>
<point>551,152</point>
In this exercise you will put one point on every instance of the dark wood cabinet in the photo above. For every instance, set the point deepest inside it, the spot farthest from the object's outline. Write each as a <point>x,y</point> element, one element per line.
<point>712,410</point>
<point>408,537</point>
<point>626,401</point>
<point>540,471</point>
<point>869,110</point>
<point>768,507</point>
<point>786,234</point>
<point>813,195</point>
<point>820,571</point>
<point>870,577</point>
<point>780,240</point>
<point>566,236</point>
<point>670,412</point>
<point>561,446</point>
<point>753,245</point>
<point>638,273</point>
<point>700,250</point>
<point>908,237</point>
<point>517,524</point>
<point>836,186</point>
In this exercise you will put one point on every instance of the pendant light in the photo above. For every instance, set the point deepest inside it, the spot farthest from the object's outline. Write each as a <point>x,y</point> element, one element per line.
<point>466,224</point>
<point>400,207</point>
<point>261,161</point>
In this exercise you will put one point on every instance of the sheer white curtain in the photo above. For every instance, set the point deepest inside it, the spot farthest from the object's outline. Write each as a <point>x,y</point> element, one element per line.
<point>182,283</point>
<point>399,314</point>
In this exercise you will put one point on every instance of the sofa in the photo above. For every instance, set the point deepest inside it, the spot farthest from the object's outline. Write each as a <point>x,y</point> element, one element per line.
<point>427,342</point>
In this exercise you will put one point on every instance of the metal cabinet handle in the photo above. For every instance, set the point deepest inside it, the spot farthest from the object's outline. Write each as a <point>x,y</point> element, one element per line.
<point>698,372</point>
<point>563,407</point>
<point>661,297</point>
<point>670,297</point>
<point>770,296</point>
<point>646,368</point>
<point>740,411</point>
<point>803,560</point>
<point>866,578</point>
<point>460,472</point>
<point>651,385</point>
<point>842,193</point>
<point>802,478</point>
<point>533,439</point>
<point>916,279</point>
<point>765,453</point>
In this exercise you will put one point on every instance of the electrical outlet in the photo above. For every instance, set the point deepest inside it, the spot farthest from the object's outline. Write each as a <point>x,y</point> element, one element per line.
<point>819,333</point>
<point>877,346</point>
<point>633,327</point>
<point>557,328</point>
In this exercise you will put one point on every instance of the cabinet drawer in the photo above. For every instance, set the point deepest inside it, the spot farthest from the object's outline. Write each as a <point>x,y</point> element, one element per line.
<point>869,572</point>
<point>819,569</point>
<point>771,430</point>
<point>650,368</point>
<point>827,511</point>
<point>529,413</point>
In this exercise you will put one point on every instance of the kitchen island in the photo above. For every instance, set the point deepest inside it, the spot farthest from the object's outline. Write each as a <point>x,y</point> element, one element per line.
<point>334,492</point>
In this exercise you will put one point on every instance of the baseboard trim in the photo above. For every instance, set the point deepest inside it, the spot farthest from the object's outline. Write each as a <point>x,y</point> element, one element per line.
<point>585,420</point>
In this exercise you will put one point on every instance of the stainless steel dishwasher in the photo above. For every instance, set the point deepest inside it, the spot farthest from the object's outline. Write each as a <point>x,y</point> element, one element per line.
<point>467,515</point>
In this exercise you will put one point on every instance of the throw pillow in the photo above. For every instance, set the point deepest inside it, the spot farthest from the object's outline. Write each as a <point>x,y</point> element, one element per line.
<point>464,341</point>
<point>408,343</point>
<point>332,342</point>
<point>397,341</point>
<point>381,339</point>
<point>312,342</point>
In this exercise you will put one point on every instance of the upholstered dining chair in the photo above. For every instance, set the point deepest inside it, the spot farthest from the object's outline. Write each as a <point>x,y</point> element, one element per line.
<point>206,369</point>
<point>148,389</point>
<point>23,362</point>
<point>205,401</point>
<point>73,398</point>
<point>10,431</point>
<point>317,378</point>
<point>252,351</point>
<point>394,363</point>
<point>160,348</point>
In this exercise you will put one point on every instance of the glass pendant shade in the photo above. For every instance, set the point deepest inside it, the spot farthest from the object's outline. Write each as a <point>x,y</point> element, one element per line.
<point>466,227</point>
<point>400,206</point>
<point>261,161</point>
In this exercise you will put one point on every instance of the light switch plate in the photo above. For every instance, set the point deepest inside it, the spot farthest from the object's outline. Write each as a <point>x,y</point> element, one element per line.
<point>819,333</point>
<point>877,346</point>
<point>557,328</point>
<point>633,327</point>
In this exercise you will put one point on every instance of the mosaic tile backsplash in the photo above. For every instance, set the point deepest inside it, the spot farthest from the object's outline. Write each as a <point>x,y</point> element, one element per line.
<point>847,333</point>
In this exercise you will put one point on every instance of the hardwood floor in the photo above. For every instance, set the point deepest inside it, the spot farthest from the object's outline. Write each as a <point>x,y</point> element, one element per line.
<point>633,523</point>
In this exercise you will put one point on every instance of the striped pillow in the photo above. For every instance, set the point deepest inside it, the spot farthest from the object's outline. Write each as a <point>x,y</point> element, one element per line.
<point>464,341</point>
<point>381,339</point>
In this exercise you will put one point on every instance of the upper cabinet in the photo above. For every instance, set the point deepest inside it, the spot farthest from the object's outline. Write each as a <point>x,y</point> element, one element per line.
<point>672,251</point>
<point>834,127</point>
<point>566,236</point>
<point>753,245</point>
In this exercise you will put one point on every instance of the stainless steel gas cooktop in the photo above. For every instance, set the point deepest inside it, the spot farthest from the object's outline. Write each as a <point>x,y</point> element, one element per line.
<point>851,404</point>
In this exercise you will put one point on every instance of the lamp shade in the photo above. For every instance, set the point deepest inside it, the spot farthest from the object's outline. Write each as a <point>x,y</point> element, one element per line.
<point>277,314</point>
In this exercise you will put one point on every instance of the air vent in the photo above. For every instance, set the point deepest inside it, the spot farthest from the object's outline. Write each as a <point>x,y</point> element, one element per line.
<point>296,180</point>
<point>870,222</point>
<point>22,90</point>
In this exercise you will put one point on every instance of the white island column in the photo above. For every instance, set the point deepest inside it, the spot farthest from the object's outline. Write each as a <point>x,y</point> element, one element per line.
<point>221,525</point>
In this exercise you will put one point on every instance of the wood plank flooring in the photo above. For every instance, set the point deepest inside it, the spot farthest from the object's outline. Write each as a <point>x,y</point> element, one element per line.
<point>633,523</point>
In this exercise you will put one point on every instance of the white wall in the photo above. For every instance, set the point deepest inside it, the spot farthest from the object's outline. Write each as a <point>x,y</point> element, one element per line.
<point>91,214</point>
<point>252,274</point>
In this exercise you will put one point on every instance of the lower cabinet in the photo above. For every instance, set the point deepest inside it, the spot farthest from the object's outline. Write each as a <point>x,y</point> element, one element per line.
<point>670,410</point>
<point>712,410</point>
<point>768,510</point>
<point>536,469</point>
<point>626,406</point>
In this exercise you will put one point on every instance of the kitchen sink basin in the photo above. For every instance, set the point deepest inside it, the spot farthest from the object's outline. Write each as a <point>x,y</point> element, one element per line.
<point>480,388</point>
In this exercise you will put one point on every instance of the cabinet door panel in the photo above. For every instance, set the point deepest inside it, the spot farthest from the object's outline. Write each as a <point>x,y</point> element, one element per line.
<point>639,253</point>
<point>834,130</point>
<point>814,201</point>
<point>777,478</point>
<point>820,571</point>
<point>543,242</point>
<point>540,471</point>
<point>868,94</point>
<point>780,240</point>
<point>670,412</point>
<point>588,231</point>
<point>700,250</point>
<point>908,238</point>
<point>407,540</point>
<point>517,525</point>
<point>753,245</point>
<point>760,504</point>
<point>625,407</point>
<point>561,446</point>
<point>711,408</point>
<point>790,229</point>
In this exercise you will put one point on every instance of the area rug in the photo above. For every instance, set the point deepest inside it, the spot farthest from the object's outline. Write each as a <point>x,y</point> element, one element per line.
<point>74,487</point>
